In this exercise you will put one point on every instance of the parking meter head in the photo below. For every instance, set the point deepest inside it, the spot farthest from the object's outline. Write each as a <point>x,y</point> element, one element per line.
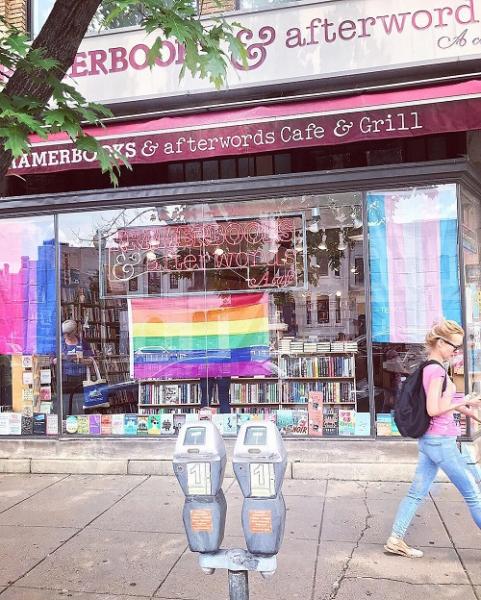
<point>259,460</point>
<point>199,459</point>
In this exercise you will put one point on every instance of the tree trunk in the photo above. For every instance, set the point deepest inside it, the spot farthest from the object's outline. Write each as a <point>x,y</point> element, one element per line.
<point>60,37</point>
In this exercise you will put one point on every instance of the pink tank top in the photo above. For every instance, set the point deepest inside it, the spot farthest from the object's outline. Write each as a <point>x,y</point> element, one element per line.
<point>442,424</point>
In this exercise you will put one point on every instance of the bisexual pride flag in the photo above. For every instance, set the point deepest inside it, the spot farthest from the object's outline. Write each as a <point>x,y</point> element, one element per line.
<point>184,337</point>
<point>413,255</point>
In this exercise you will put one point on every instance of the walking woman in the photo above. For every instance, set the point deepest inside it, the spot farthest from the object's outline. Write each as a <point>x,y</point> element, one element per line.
<point>437,447</point>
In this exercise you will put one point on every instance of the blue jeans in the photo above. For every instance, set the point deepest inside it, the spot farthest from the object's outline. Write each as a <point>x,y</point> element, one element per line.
<point>438,452</point>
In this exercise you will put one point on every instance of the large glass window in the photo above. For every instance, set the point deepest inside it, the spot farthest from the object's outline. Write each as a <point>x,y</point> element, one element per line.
<point>471,226</point>
<point>178,307</point>
<point>28,403</point>
<point>413,251</point>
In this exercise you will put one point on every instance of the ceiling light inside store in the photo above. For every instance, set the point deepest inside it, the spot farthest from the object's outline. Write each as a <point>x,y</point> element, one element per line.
<point>150,255</point>
<point>314,227</point>
<point>322,245</point>
<point>338,293</point>
<point>218,252</point>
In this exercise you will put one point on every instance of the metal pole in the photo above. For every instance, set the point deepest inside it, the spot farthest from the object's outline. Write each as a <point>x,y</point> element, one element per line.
<point>238,585</point>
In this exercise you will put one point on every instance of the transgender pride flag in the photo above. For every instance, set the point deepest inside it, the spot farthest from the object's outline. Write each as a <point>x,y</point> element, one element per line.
<point>413,255</point>
<point>187,337</point>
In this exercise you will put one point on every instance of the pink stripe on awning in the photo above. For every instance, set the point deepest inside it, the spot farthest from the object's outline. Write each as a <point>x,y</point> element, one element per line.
<point>396,114</point>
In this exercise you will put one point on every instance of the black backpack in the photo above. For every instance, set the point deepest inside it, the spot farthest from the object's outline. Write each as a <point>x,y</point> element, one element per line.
<point>410,412</point>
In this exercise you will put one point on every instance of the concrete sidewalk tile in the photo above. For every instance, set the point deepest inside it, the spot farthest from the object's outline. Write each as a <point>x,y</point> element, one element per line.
<point>15,488</point>
<point>438,566</point>
<point>155,506</point>
<point>72,502</point>
<point>304,487</point>
<point>426,528</point>
<point>346,489</point>
<point>330,563</point>
<point>445,492</point>
<point>380,589</point>
<point>460,524</point>
<point>472,561</point>
<point>24,593</point>
<point>150,467</point>
<point>381,490</point>
<point>343,521</point>
<point>23,547</point>
<point>119,563</point>
<point>303,517</point>
<point>186,581</point>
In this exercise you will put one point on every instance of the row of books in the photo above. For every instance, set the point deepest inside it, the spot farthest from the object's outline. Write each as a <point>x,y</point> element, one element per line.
<point>317,366</point>
<point>251,393</point>
<point>181,393</point>
<point>332,391</point>
<point>290,345</point>
<point>13,423</point>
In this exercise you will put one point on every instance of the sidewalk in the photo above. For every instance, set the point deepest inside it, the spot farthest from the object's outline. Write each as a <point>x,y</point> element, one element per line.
<point>114,537</point>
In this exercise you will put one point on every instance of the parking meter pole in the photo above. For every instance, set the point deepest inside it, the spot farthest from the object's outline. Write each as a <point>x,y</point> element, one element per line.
<point>238,585</point>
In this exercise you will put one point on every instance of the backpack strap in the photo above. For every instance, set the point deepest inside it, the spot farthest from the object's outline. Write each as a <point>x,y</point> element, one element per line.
<point>436,362</point>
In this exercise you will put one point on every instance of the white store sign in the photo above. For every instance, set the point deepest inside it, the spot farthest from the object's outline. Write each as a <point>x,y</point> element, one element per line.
<point>295,43</point>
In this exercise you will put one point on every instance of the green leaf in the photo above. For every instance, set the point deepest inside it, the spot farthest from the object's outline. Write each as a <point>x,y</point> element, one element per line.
<point>15,139</point>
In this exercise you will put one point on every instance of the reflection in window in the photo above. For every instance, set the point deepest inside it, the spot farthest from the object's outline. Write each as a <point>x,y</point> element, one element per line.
<point>323,310</point>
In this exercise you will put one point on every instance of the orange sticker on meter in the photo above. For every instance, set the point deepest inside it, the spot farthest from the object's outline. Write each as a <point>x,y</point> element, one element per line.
<point>201,520</point>
<point>260,521</point>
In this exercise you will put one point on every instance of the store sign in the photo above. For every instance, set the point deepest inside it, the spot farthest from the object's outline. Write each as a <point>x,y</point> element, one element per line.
<point>313,41</point>
<point>267,253</point>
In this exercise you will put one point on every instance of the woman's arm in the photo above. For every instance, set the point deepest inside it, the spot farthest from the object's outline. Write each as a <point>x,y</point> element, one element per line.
<point>438,403</point>
<point>469,413</point>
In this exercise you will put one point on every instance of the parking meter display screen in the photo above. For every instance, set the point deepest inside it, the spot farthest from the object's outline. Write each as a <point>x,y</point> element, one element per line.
<point>256,436</point>
<point>195,436</point>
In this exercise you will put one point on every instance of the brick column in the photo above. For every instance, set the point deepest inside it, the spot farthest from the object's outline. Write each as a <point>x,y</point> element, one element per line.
<point>15,12</point>
<point>208,7</point>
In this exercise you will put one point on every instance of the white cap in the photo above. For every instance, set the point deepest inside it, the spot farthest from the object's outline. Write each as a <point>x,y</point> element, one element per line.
<point>69,326</point>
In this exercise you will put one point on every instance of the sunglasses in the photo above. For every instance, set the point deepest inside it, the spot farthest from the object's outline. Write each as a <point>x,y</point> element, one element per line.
<point>450,343</point>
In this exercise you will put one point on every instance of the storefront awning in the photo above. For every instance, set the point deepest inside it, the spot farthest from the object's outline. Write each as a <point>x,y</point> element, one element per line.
<point>365,117</point>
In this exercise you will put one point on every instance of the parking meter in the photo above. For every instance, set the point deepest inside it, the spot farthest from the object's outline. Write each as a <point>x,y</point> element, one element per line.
<point>199,464</point>
<point>260,461</point>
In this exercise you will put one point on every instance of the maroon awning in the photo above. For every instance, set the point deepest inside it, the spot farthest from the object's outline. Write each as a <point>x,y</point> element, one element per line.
<point>395,114</point>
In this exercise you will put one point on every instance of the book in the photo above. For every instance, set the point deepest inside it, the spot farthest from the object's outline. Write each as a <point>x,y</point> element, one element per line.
<point>179,420</point>
<point>45,393</point>
<point>83,426</point>
<point>27,424</point>
<point>71,424</point>
<point>106,425</point>
<point>346,422</point>
<point>167,424</point>
<point>130,424</point>
<point>383,424</point>
<point>314,410</point>
<point>27,361</point>
<point>362,424</point>
<point>154,423</point>
<point>27,378</point>
<point>292,422</point>
<point>45,377</point>
<point>4,423</point>
<point>39,423</point>
<point>142,422</point>
<point>94,424</point>
<point>15,423</point>
<point>52,424</point>
<point>46,407</point>
<point>330,420</point>
<point>226,423</point>
<point>118,424</point>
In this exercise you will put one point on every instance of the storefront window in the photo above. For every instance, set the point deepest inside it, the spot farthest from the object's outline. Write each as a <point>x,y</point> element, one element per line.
<point>183,306</point>
<point>413,252</point>
<point>28,304</point>
<point>471,226</point>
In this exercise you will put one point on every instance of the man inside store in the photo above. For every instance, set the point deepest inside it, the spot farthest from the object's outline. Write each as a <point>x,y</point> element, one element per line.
<point>77,355</point>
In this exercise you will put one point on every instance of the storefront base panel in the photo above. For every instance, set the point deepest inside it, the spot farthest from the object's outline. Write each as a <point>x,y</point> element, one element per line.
<point>355,460</point>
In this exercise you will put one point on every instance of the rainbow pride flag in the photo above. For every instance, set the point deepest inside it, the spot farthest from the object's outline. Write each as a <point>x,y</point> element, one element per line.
<point>186,337</point>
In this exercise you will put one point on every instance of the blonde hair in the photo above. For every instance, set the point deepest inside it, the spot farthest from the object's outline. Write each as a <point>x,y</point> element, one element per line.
<point>442,329</point>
